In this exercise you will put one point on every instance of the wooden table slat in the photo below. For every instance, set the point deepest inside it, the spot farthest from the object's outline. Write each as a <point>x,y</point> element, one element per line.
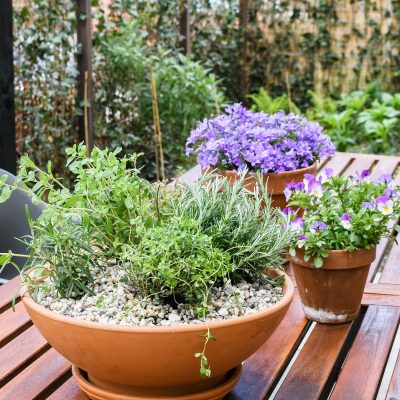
<point>310,372</point>
<point>338,163</point>
<point>192,175</point>
<point>391,270</point>
<point>68,390</point>
<point>385,166</point>
<point>358,165</point>
<point>261,368</point>
<point>20,350</point>
<point>394,387</point>
<point>11,322</point>
<point>8,291</point>
<point>37,377</point>
<point>380,254</point>
<point>363,369</point>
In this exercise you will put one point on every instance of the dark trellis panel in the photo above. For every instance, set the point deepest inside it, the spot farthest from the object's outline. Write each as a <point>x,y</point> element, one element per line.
<point>185,28</point>
<point>7,111</point>
<point>85,83</point>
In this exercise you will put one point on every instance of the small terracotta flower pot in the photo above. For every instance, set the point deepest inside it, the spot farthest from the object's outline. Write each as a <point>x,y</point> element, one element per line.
<point>332,294</point>
<point>134,362</point>
<point>275,182</point>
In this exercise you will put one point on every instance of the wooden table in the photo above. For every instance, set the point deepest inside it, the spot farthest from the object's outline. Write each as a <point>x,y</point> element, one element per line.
<point>301,361</point>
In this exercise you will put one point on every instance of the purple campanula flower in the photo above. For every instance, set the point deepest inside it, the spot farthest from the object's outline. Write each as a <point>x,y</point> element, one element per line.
<point>303,237</point>
<point>384,204</point>
<point>271,143</point>
<point>345,221</point>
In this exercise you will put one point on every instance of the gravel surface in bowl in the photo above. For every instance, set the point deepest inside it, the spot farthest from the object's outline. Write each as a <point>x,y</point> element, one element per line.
<point>115,302</point>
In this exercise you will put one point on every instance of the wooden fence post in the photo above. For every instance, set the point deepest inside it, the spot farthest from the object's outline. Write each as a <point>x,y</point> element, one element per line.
<point>184,24</point>
<point>8,156</point>
<point>85,80</point>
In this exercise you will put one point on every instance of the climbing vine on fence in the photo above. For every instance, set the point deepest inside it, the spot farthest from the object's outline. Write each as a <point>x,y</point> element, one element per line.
<point>284,46</point>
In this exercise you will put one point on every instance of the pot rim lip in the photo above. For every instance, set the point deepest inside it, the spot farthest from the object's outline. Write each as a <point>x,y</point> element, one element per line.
<point>284,301</point>
<point>291,172</point>
<point>358,249</point>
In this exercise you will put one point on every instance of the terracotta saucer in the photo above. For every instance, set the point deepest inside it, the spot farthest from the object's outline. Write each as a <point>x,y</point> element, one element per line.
<point>216,393</point>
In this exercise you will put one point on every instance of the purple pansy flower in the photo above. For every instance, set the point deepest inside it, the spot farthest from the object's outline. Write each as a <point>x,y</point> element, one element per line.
<point>384,204</point>
<point>288,211</point>
<point>345,221</point>
<point>326,174</point>
<point>368,204</point>
<point>365,173</point>
<point>315,188</point>
<point>297,224</point>
<point>318,226</point>
<point>288,189</point>
<point>391,193</point>
<point>303,237</point>
<point>384,178</point>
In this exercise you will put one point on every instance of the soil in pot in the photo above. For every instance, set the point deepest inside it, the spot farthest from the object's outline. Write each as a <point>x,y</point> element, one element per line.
<point>332,294</point>
<point>275,182</point>
<point>150,360</point>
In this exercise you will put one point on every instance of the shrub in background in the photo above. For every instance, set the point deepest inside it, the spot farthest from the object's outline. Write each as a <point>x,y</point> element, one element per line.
<point>187,92</point>
<point>360,121</point>
<point>123,51</point>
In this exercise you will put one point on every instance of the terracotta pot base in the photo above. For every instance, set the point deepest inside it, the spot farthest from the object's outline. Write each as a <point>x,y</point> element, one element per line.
<point>327,316</point>
<point>216,393</point>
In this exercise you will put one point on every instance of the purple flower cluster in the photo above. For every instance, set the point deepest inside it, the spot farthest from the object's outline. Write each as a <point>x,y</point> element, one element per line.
<point>242,139</point>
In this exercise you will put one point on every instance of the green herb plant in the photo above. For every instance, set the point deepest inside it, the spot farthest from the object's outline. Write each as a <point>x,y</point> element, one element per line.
<point>174,243</point>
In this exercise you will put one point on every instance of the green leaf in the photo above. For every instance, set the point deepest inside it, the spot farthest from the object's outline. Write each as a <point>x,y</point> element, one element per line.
<point>5,258</point>
<point>5,194</point>
<point>318,262</point>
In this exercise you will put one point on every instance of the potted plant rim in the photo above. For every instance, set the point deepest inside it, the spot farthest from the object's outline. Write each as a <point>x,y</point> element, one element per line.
<point>345,219</point>
<point>151,292</point>
<point>283,147</point>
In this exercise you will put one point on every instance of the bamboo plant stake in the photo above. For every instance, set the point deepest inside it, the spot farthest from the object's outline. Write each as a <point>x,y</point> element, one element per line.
<point>159,151</point>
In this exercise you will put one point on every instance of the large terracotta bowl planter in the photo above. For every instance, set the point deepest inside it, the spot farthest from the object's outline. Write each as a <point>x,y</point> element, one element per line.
<point>151,362</point>
<point>275,182</point>
<point>332,294</point>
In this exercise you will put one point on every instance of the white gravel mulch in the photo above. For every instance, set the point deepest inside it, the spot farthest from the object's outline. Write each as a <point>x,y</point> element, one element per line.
<point>115,302</point>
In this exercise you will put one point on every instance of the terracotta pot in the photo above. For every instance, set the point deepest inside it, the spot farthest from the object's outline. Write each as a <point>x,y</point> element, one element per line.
<point>275,183</point>
<point>147,362</point>
<point>332,294</point>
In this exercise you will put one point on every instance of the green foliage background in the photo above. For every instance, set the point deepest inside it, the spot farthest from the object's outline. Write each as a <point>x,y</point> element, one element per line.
<point>287,48</point>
